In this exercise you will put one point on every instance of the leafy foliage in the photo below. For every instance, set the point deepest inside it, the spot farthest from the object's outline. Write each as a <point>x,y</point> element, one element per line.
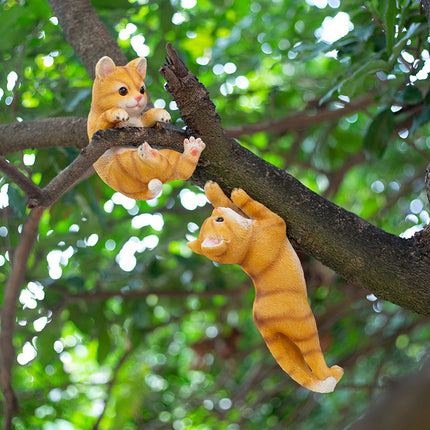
<point>117,318</point>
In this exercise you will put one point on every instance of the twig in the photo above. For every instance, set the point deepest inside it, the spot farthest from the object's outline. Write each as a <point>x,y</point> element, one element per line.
<point>426,6</point>
<point>427,182</point>
<point>27,185</point>
<point>81,167</point>
<point>300,121</point>
<point>111,384</point>
<point>336,178</point>
<point>8,312</point>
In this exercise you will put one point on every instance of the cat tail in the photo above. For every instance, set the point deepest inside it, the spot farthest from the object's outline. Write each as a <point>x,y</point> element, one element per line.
<point>291,360</point>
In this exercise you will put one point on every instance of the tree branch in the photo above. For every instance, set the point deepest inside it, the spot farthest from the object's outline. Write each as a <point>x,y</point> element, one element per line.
<point>112,382</point>
<point>8,312</point>
<point>43,133</point>
<point>392,268</point>
<point>80,23</point>
<point>26,184</point>
<point>81,167</point>
<point>300,121</point>
<point>426,5</point>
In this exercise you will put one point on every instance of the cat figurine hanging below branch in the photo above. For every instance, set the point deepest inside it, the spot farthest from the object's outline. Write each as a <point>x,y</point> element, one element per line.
<point>118,100</point>
<point>243,231</point>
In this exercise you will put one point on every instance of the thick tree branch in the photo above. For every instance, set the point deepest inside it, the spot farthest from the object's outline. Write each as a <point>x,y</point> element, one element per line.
<point>81,167</point>
<point>392,268</point>
<point>26,184</point>
<point>8,312</point>
<point>43,133</point>
<point>80,23</point>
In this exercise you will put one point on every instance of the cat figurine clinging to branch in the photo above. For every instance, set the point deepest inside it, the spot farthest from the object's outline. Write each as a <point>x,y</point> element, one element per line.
<point>243,231</point>
<point>118,100</point>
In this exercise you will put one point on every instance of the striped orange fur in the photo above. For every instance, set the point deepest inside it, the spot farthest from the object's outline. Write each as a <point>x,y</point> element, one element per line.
<point>118,100</point>
<point>243,231</point>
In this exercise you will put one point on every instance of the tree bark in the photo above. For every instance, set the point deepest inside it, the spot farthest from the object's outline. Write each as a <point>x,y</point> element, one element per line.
<point>8,312</point>
<point>392,268</point>
<point>43,133</point>
<point>85,33</point>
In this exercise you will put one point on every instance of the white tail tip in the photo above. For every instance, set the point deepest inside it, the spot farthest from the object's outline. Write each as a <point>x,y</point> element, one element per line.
<point>326,386</point>
<point>155,186</point>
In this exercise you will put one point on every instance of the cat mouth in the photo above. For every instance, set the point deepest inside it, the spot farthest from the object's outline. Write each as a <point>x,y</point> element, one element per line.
<point>213,242</point>
<point>136,106</point>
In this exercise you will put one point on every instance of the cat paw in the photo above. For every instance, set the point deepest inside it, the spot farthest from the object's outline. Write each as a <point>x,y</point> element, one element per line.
<point>239,197</point>
<point>164,116</point>
<point>336,372</point>
<point>121,116</point>
<point>194,146</point>
<point>154,116</point>
<point>145,151</point>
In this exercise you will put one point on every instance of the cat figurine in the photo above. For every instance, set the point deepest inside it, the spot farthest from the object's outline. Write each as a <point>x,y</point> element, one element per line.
<point>243,231</point>
<point>118,100</point>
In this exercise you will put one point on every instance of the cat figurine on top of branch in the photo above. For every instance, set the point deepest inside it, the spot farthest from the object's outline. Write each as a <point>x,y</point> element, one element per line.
<point>243,231</point>
<point>118,100</point>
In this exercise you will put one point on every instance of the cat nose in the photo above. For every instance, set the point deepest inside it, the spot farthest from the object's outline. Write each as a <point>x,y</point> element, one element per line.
<point>138,98</point>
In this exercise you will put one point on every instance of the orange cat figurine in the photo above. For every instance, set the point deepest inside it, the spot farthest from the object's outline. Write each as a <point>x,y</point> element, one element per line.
<point>243,231</point>
<point>118,100</point>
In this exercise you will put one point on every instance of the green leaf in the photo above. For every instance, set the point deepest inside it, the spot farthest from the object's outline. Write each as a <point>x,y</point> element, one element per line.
<point>354,81</point>
<point>389,16</point>
<point>16,201</point>
<point>411,95</point>
<point>421,119</point>
<point>378,134</point>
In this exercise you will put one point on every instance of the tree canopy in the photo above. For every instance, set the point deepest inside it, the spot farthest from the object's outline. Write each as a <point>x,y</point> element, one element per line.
<point>319,109</point>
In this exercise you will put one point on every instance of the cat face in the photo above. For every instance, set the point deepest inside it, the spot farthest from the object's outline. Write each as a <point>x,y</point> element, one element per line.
<point>121,86</point>
<point>224,237</point>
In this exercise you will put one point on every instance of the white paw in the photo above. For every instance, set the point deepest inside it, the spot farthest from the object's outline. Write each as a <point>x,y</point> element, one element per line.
<point>155,186</point>
<point>121,116</point>
<point>194,146</point>
<point>160,115</point>
<point>164,117</point>
<point>145,151</point>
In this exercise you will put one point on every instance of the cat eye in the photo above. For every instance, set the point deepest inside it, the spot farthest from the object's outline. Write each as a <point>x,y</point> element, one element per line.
<point>220,219</point>
<point>123,91</point>
<point>142,90</point>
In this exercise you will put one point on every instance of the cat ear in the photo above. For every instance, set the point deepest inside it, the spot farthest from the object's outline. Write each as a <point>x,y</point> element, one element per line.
<point>104,67</point>
<point>195,245</point>
<point>140,64</point>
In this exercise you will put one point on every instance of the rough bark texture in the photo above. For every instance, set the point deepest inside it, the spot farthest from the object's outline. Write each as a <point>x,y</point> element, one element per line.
<point>8,313</point>
<point>395,269</point>
<point>392,268</point>
<point>43,133</point>
<point>80,23</point>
